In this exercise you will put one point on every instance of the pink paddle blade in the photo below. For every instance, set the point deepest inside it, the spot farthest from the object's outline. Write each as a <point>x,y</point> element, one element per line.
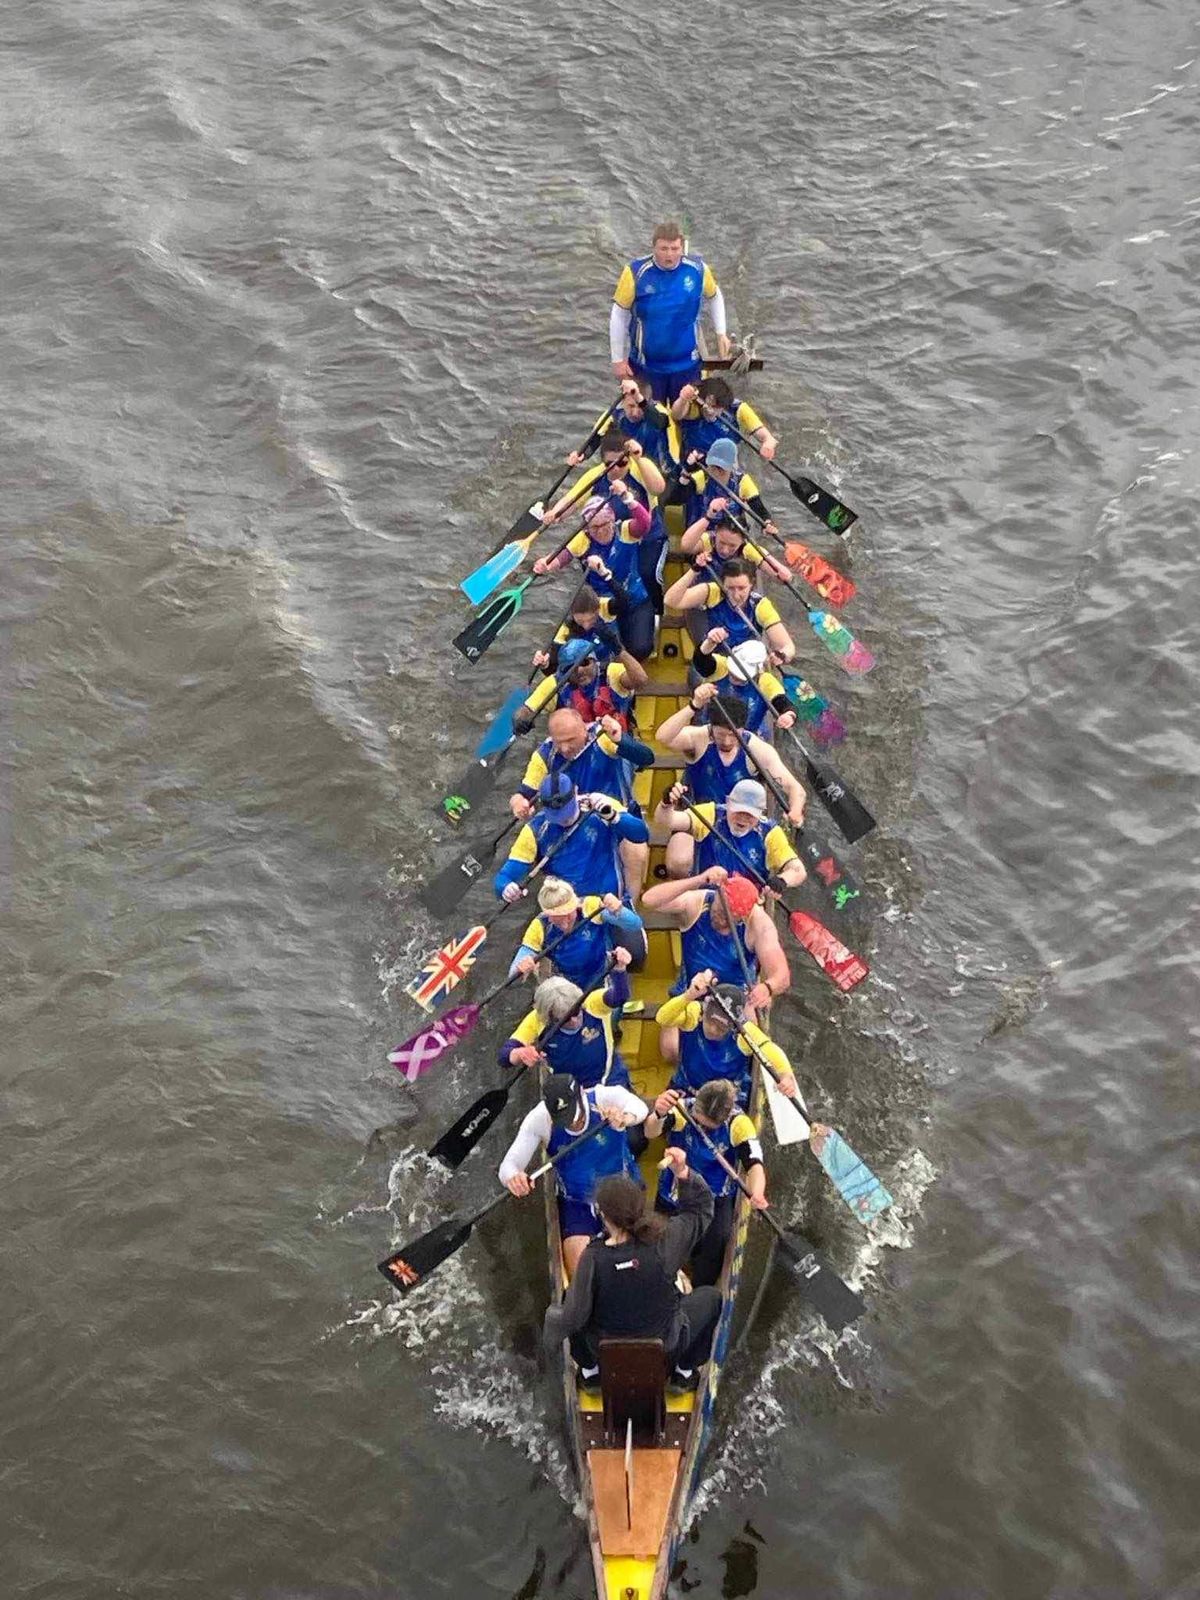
<point>838,963</point>
<point>418,1054</point>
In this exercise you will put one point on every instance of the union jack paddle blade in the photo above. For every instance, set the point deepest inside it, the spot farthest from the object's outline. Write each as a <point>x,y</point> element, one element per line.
<point>838,963</point>
<point>447,968</point>
<point>418,1054</point>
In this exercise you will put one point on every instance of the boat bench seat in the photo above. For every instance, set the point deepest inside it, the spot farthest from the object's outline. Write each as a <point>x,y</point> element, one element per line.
<point>633,1388</point>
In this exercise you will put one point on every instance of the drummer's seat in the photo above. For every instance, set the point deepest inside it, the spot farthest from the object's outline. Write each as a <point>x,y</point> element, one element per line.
<point>633,1383</point>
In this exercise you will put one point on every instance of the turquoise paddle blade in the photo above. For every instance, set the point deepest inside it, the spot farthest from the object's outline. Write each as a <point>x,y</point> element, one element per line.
<point>480,583</point>
<point>500,733</point>
<point>853,1179</point>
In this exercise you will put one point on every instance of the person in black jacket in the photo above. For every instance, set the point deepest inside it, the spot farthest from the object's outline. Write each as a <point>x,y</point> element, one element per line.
<point>624,1284</point>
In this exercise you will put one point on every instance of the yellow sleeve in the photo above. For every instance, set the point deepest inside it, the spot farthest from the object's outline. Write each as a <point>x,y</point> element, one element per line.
<point>770,1050</point>
<point>751,553</point>
<point>609,748</point>
<point>583,483</point>
<point>602,424</point>
<point>615,677</point>
<point>590,904</point>
<point>779,849</point>
<point>527,1030</point>
<point>765,613</point>
<point>579,545</point>
<point>679,1012</point>
<point>535,935</point>
<point>635,466</point>
<point>595,1007</point>
<point>710,282</point>
<point>623,294</point>
<point>747,489</point>
<point>563,634</point>
<point>533,775</point>
<point>741,1129</point>
<point>674,437</point>
<point>525,847</point>
<point>748,420</point>
<point>675,1122</point>
<point>714,595</point>
<point>770,685</point>
<point>542,695</point>
<point>702,824</point>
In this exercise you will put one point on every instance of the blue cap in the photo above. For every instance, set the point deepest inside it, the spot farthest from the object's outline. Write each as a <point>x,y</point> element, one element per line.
<point>722,453</point>
<point>558,798</point>
<point>573,652</point>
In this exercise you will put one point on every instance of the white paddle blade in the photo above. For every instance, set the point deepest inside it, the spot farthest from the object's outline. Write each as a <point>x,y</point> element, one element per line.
<point>790,1126</point>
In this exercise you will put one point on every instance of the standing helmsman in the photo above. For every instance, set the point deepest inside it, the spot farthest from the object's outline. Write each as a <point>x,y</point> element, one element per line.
<point>654,329</point>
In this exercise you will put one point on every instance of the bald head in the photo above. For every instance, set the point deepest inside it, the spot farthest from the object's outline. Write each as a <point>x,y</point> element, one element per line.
<point>568,732</point>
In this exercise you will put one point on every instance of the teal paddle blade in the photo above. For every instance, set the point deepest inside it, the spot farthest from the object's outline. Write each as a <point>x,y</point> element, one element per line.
<point>853,1179</point>
<point>500,732</point>
<point>487,625</point>
<point>480,583</point>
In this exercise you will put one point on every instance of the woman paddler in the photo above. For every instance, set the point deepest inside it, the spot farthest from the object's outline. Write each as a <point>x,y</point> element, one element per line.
<point>583,1042</point>
<point>582,931</point>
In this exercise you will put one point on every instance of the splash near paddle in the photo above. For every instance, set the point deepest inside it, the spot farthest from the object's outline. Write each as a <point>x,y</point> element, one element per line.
<point>418,1054</point>
<point>841,965</point>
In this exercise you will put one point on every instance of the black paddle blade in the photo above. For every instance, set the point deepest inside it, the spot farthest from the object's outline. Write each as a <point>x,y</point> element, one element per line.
<point>842,804</point>
<point>823,865</point>
<point>412,1265</point>
<point>449,888</point>
<point>525,523</point>
<point>476,784</point>
<point>826,507</point>
<point>483,630</point>
<point>834,1301</point>
<point>457,1142</point>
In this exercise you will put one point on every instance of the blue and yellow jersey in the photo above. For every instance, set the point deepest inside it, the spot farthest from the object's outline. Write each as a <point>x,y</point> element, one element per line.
<point>697,432</point>
<point>705,948</point>
<point>586,484</point>
<point>580,954</point>
<point>707,488</point>
<point>611,694</point>
<point>701,1059</point>
<point>584,855</point>
<point>718,613</point>
<point>766,846</point>
<point>589,1053</point>
<point>606,1153</point>
<point>770,691</point>
<point>716,564</point>
<point>592,771</point>
<point>620,556</point>
<point>657,432</point>
<point>665,304</point>
<point>737,1140</point>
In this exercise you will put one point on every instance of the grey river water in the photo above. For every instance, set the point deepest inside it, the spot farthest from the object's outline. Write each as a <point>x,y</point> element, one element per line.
<point>301,304</point>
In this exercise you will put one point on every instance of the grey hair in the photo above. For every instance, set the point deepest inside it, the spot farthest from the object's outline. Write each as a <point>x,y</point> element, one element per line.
<point>555,999</point>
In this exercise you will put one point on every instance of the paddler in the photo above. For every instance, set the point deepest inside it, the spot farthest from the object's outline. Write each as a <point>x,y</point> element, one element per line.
<point>609,553</point>
<point>624,1286</point>
<point>564,1112</point>
<point>584,1040</point>
<point>598,846</point>
<point>596,756</point>
<point>580,685</point>
<point>734,610</point>
<point>709,942</point>
<point>583,621</point>
<point>654,326</point>
<point>711,478</point>
<point>697,411</point>
<point>584,932</point>
<point>710,1046</point>
<point>721,752</point>
<point>716,833</point>
<point>639,416</point>
<point>734,1133</point>
<point>742,672</point>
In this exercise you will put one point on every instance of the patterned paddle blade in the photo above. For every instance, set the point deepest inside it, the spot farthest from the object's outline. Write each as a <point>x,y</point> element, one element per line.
<point>481,633</point>
<point>829,583</point>
<point>816,1280</point>
<point>824,866</point>
<point>827,508</point>
<point>823,722</point>
<point>410,1266</point>
<point>447,968</point>
<point>418,1054</point>
<point>475,785</point>
<point>840,642</point>
<point>838,963</point>
<point>853,1179</point>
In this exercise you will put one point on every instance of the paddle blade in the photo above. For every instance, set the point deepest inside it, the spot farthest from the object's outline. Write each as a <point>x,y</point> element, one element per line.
<point>477,783</point>
<point>481,633</point>
<point>827,508</point>
<point>839,964</point>
<point>408,1267</point>
<point>823,866</point>
<point>789,1123</point>
<point>480,583</point>
<point>528,522</point>
<point>834,1300</point>
<point>457,1142</point>
<point>500,731</point>
<point>823,722</point>
<point>842,804</point>
<point>829,583</point>
<point>853,1179</point>
<point>418,1054</point>
<point>447,968</point>
<point>845,649</point>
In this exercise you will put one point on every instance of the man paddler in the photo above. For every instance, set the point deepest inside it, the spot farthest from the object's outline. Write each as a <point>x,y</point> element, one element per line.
<point>711,1046</point>
<point>595,844</point>
<point>564,1112</point>
<point>596,756</point>
<point>720,752</point>
<point>654,326</point>
<point>581,685</point>
<point>734,833</point>
<point>701,411</point>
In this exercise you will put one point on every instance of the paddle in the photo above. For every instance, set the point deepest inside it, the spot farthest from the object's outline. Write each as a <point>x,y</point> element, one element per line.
<point>813,709</point>
<point>531,521</point>
<point>853,1179</point>
<point>448,889</point>
<point>501,733</point>
<point>449,964</point>
<point>849,653</point>
<point>404,1269</point>
<point>839,964</point>
<point>837,884</point>
<point>829,583</point>
<point>417,1054</point>
<point>827,508</point>
<point>481,633</point>
<point>834,1301</point>
<point>842,804</point>
<point>457,1142</point>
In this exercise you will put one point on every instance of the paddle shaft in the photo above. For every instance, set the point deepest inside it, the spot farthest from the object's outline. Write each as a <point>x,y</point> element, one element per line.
<point>727,1167</point>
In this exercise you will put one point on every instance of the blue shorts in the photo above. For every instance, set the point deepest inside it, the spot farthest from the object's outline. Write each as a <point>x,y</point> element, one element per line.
<point>576,1217</point>
<point>665,386</point>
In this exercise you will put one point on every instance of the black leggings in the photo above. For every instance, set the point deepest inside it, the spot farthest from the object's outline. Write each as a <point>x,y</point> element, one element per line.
<point>709,1255</point>
<point>636,627</point>
<point>701,1309</point>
